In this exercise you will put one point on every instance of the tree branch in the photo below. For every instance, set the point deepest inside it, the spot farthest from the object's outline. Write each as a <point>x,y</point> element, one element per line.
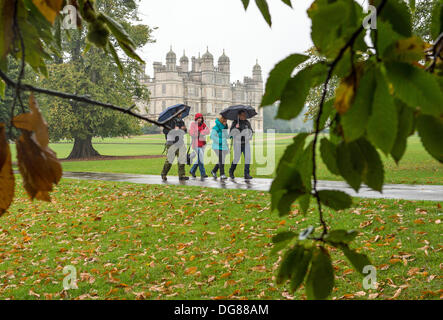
<point>63,95</point>
<point>332,66</point>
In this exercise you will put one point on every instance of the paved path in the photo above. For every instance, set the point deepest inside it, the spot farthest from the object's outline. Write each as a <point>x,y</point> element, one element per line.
<point>390,191</point>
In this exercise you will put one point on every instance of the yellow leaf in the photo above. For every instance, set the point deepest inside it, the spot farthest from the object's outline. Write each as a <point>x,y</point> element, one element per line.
<point>6,175</point>
<point>410,49</point>
<point>49,8</point>
<point>344,95</point>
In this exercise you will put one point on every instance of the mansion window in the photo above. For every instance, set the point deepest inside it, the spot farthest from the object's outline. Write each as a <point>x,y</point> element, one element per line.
<point>163,89</point>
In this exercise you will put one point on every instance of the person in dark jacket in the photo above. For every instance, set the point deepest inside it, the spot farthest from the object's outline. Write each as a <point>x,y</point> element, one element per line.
<point>241,132</point>
<point>175,146</point>
<point>219,137</point>
<point>198,131</point>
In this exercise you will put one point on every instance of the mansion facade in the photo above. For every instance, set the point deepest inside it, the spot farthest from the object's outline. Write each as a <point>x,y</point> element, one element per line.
<point>206,88</point>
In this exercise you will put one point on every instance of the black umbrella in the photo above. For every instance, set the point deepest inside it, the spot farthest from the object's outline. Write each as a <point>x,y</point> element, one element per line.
<point>172,111</point>
<point>231,113</point>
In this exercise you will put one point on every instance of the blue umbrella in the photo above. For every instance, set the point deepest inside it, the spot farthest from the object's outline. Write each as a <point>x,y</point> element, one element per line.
<point>172,111</point>
<point>231,113</point>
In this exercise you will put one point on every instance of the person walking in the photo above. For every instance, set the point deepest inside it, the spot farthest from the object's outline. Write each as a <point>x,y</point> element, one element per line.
<point>241,132</point>
<point>219,137</point>
<point>198,131</point>
<point>175,146</point>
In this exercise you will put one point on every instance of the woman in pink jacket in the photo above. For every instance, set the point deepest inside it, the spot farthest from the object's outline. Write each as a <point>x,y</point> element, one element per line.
<point>198,131</point>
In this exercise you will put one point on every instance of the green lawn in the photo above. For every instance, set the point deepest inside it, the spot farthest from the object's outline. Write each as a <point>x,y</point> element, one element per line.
<point>132,241</point>
<point>417,167</point>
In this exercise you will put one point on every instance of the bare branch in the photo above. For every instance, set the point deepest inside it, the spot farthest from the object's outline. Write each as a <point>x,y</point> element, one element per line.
<point>63,95</point>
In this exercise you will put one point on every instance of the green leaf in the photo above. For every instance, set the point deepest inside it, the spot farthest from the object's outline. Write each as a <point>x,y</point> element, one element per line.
<point>354,121</point>
<point>373,173</point>
<point>385,37</point>
<point>286,187</point>
<point>340,236</point>
<point>117,30</point>
<point>290,259</point>
<point>245,3</point>
<point>328,151</point>
<point>285,202</point>
<point>283,236</point>
<point>300,270</point>
<point>358,260</point>
<point>412,5</point>
<point>264,9</point>
<point>287,2</point>
<point>279,76</point>
<point>437,19</point>
<point>320,280</point>
<point>350,163</point>
<point>405,128</point>
<point>337,200</point>
<point>382,124</point>
<point>130,52</point>
<point>397,13</point>
<point>416,88</point>
<point>115,56</point>
<point>2,89</point>
<point>296,91</point>
<point>430,130</point>
<point>304,202</point>
<point>293,149</point>
<point>329,23</point>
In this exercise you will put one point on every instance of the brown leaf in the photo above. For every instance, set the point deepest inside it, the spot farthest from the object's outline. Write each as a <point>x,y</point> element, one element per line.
<point>7,23</point>
<point>191,270</point>
<point>38,166</point>
<point>6,175</point>
<point>33,121</point>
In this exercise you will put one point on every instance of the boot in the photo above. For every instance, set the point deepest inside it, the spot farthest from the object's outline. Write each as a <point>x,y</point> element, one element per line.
<point>231,171</point>
<point>182,173</point>
<point>167,166</point>
<point>247,175</point>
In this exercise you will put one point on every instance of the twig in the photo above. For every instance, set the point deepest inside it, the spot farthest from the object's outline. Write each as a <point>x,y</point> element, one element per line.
<point>332,66</point>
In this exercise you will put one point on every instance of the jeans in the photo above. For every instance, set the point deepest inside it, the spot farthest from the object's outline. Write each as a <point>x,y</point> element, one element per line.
<point>238,150</point>
<point>199,162</point>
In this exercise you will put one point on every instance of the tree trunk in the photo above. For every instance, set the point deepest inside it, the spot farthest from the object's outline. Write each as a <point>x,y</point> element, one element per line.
<point>83,149</point>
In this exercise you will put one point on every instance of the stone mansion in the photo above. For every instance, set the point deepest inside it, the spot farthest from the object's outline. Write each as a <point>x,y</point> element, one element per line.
<point>204,87</point>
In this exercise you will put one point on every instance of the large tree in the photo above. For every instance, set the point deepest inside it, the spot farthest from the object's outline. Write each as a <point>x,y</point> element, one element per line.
<point>94,73</point>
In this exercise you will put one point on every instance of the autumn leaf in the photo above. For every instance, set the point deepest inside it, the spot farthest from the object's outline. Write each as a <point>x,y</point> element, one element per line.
<point>33,121</point>
<point>49,8</point>
<point>191,270</point>
<point>6,29</point>
<point>38,166</point>
<point>345,92</point>
<point>6,174</point>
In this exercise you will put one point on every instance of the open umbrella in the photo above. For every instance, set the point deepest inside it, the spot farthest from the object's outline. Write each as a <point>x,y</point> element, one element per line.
<point>173,111</point>
<point>231,113</point>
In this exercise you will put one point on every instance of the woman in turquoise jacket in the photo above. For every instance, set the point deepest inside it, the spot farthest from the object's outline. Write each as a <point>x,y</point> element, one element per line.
<point>219,137</point>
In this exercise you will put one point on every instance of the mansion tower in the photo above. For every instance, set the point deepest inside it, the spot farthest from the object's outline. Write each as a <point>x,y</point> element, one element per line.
<point>206,88</point>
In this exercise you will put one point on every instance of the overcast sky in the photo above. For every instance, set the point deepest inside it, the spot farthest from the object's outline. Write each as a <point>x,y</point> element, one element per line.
<point>192,25</point>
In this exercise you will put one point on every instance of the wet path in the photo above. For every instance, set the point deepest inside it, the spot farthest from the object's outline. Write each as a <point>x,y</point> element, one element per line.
<point>390,191</point>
